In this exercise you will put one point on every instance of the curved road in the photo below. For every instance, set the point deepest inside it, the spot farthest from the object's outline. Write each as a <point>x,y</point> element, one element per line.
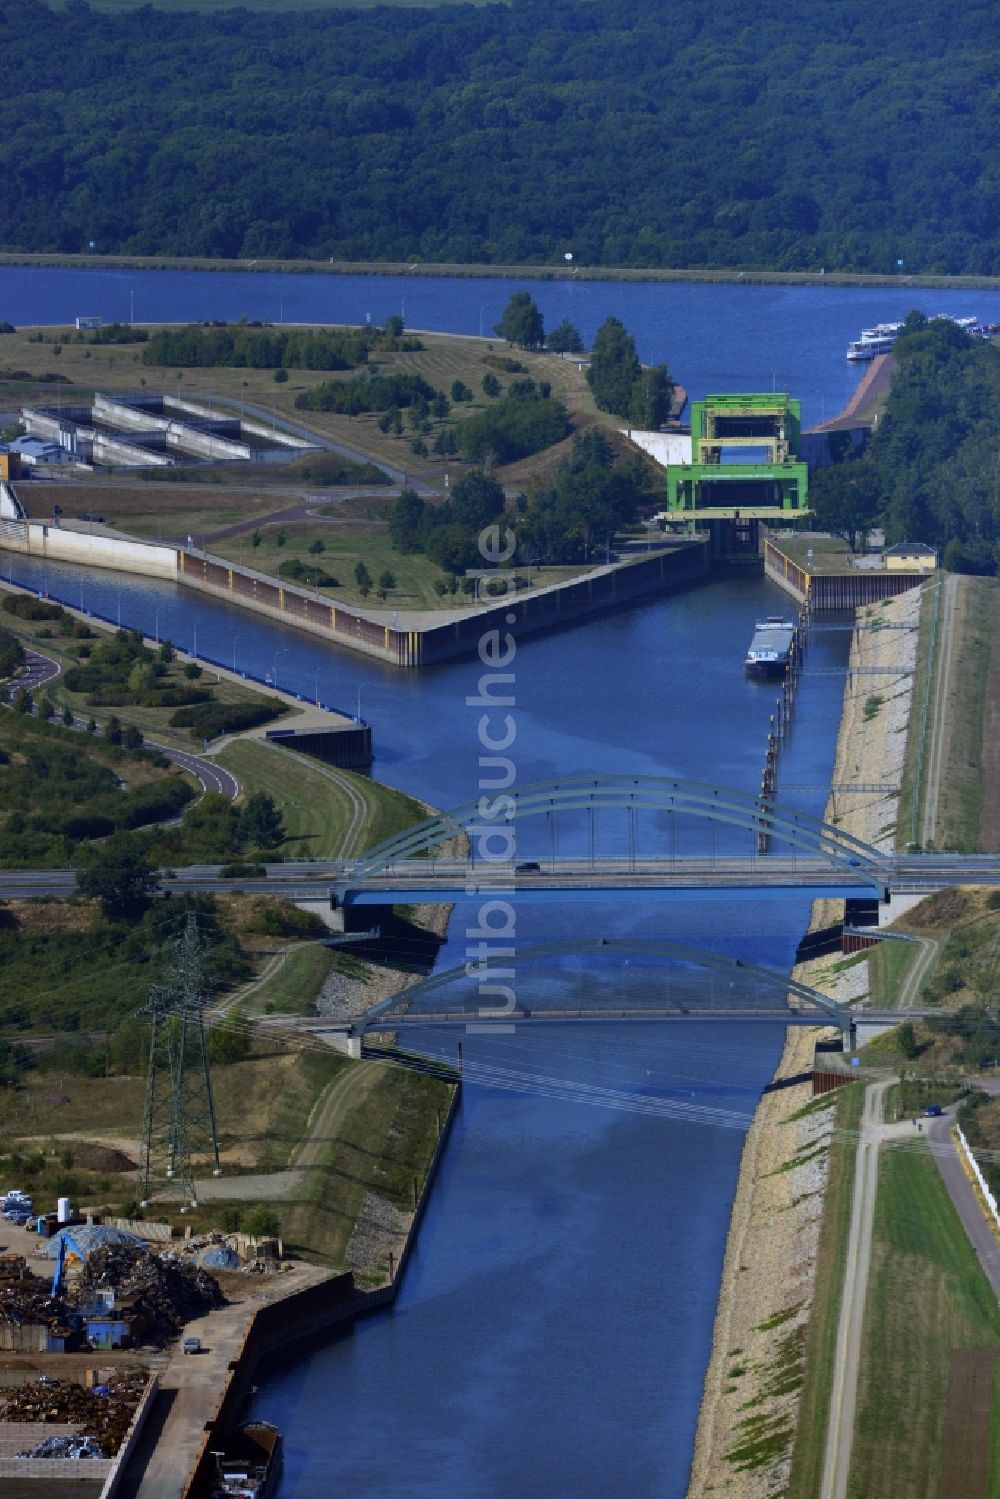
<point>42,669</point>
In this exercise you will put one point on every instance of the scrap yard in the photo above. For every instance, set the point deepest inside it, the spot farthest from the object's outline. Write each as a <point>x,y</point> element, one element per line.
<point>97,1328</point>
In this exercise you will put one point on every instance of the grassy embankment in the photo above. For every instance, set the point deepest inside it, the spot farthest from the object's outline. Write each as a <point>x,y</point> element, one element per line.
<point>475,270</point>
<point>814,1410</point>
<point>154,723</point>
<point>927,1296</point>
<point>960,797</point>
<point>918,1238</point>
<point>444,359</point>
<point>283,505</point>
<point>382,1141</point>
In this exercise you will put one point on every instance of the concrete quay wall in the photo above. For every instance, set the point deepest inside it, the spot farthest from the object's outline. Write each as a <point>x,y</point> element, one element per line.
<point>548,608</point>
<point>303,1318</point>
<point>60,544</point>
<point>822,592</point>
<point>542,609</point>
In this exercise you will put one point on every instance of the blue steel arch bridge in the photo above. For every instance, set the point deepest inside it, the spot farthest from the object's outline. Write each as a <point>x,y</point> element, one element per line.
<point>593,837</point>
<point>618,837</point>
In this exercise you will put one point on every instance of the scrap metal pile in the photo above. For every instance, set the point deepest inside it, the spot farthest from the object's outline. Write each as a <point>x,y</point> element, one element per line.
<point>171,1290</point>
<point>30,1302</point>
<point>102,1414</point>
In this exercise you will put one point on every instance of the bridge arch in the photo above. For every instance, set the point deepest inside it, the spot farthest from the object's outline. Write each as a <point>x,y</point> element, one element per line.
<point>758,815</point>
<point>809,1001</point>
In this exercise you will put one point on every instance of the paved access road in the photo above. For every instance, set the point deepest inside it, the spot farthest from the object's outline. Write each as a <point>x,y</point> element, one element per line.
<point>42,669</point>
<point>840,1434</point>
<point>946,1152</point>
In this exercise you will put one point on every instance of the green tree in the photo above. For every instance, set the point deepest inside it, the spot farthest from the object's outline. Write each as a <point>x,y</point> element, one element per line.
<point>614,368</point>
<point>317,547</point>
<point>406,520</point>
<point>261,824</point>
<point>564,339</point>
<point>521,323</point>
<point>262,1222</point>
<point>846,499</point>
<point>476,501</point>
<point>362,578</point>
<point>387,581</point>
<point>906,1041</point>
<point>119,874</point>
<point>652,398</point>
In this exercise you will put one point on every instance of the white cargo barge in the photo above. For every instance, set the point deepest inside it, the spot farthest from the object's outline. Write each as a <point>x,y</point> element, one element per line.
<point>771,647</point>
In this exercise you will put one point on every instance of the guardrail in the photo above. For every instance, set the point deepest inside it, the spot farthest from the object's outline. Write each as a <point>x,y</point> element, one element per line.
<point>973,1165</point>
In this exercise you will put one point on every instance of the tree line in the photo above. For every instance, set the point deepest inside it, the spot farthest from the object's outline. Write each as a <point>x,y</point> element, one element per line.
<point>512,134</point>
<point>930,471</point>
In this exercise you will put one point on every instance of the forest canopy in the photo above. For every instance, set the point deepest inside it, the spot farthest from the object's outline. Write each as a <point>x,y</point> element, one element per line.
<point>930,471</point>
<point>848,136</point>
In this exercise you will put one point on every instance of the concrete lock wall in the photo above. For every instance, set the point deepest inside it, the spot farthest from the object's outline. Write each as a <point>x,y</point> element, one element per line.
<point>54,543</point>
<point>178,434</point>
<point>246,424</point>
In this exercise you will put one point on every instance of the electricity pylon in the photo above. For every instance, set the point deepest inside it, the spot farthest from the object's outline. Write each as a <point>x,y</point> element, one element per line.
<point>179,1120</point>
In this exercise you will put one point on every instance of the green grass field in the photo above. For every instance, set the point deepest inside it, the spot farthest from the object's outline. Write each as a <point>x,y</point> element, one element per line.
<point>960,800</point>
<point>810,1436</point>
<point>444,359</point>
<point>312,800</point>
<point>345,547</point>
<point>927,1295</point>
<point>292,988</point>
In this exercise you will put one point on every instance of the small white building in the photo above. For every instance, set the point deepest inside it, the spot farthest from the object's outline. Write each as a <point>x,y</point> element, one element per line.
<point>910,557</point>
<point>89,321</point>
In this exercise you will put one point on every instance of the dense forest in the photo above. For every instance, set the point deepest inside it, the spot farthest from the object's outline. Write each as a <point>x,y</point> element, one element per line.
<point>931,471</point>
<point>842,136</point>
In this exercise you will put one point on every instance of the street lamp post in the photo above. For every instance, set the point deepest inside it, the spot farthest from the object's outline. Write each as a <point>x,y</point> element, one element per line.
<point>235,638</point>
<point>194,648</point>
<point>358,714</point>
<point>316,687</point>
<point>274,670</point>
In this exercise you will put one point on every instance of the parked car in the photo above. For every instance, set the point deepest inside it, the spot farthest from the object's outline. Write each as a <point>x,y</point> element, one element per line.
<point>528,866</point>
<point>191,1345</point>
<point>932,1111</point>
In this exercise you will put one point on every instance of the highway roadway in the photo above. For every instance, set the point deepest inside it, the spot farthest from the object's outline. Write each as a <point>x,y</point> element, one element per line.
<point>423,882</point>
<point>455,879</point>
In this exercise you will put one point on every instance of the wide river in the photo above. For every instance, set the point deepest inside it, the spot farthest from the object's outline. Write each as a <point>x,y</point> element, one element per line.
<point>554,1324</point>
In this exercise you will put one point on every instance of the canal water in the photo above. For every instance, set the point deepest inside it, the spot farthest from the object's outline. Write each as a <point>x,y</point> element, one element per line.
<point>554,1324</point>
<point>555,1321</point>
<point>712,337</point>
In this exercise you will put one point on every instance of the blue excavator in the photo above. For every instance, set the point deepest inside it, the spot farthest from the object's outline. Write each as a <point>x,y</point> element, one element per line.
<point>65,1244</point>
